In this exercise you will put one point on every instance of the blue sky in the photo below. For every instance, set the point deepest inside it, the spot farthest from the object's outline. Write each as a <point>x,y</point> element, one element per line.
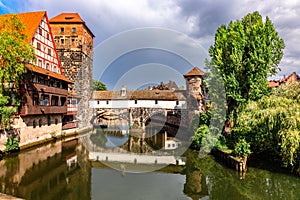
<point>196,19</point>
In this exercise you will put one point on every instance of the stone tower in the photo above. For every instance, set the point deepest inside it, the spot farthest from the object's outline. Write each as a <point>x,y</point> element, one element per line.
<point>195,92</point>
<point>74,43</point>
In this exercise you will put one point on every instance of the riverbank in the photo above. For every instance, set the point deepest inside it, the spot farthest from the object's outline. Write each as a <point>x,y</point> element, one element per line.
<point>65,134</point>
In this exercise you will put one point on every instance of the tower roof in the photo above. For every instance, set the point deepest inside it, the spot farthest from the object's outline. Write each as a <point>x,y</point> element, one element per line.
<point>194,72</point>
<point>69,18</point>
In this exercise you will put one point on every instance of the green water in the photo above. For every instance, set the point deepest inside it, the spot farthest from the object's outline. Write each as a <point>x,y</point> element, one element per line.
<point>63,171</point>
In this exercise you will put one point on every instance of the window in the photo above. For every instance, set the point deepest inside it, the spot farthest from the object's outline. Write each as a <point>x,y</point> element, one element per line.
<point>35,99</point>
<point>40,122</point>
<point>98,102</point>
<point>44,100</point>
<point>49,120</point>
<point>135,101</point>
<point>49,52</point>
<point>34,124</point>
<point>107,102</point>
<point>63,101</point>
<point>56,121</point>
<point>38,46</point>
<point>47,66</point>
<point>177,103</point>
<point>48,36</point>
<point>54,101</point>
<point>73,41</point>
<point>40,31</point>
<point>40,63</point>
<point>156,101</point>
<point>62,30</point>
<point>73,30</point>
<point>62,41</point>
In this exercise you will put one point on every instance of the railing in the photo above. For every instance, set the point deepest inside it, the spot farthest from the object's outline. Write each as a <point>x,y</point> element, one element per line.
<point>72,107</point>
<point>35,110</point>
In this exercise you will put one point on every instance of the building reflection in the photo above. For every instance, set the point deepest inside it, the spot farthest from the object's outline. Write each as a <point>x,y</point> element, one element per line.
<point>48,172</point>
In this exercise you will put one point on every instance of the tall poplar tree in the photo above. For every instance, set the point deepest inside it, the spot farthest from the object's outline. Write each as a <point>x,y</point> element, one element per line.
<point>245,53</point>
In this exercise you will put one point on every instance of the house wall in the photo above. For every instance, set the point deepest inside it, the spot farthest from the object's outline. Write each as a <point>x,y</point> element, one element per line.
<point>29,134</point>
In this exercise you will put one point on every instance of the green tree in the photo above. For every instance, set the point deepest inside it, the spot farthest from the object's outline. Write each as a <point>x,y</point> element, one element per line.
<point>272,124</point>
<point>245,53</point>
<point>98,86</point>
<point>15,52</point>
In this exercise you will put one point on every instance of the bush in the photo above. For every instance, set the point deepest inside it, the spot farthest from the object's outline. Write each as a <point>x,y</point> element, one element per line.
<point>12,144</point>
<point>242,149</point>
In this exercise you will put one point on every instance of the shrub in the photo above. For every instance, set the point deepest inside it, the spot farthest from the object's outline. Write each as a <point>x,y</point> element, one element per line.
<point>12,144</point>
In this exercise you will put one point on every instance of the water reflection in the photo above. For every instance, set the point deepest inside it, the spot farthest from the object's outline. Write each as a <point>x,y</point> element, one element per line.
<point>62,170</point>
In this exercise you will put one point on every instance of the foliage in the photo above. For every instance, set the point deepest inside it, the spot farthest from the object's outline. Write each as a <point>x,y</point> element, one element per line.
<point>242,149</point>
<point>6,112</point>
<point>12,144</point>
<point>206,136</point>
<point>98,86</point>
<point>272,124</point>
<point>245,53</point>
<point>14,53</point>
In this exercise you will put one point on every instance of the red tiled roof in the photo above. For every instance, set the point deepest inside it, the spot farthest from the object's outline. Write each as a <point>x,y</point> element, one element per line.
<point>47,72</point>
<point>139,95</point>
<point>30,20</point>
<point>194,72</point>
<point>67,18</point>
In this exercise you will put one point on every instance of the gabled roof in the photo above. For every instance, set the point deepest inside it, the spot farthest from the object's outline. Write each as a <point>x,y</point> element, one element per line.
<point>69,18</point>
<point>194,72</point>
<point>31,21</point>
<point>167,95</point>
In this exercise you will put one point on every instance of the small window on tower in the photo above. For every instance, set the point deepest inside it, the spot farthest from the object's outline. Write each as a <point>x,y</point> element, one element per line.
<point>62,41</point>
<point>73,30</point>
<point>62,30</point>
<point>73,41</point>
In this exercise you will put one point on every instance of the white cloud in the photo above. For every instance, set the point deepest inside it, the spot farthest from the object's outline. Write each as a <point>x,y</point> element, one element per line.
<point>198,19</point>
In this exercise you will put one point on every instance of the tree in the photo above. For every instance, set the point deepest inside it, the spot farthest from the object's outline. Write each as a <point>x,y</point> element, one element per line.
<point>98,86</point>
<point>14,54</point>
<point>245,53</point>
<point>272,124</point>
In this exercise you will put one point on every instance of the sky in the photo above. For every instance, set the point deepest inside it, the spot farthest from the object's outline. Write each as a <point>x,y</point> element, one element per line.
<point>196,21</point>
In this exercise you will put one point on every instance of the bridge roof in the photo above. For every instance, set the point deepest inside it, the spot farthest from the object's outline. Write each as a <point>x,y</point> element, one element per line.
<point>167,95</point>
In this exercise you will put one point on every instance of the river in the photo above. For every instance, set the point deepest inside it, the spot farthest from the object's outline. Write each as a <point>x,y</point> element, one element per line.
<point>64,170</point>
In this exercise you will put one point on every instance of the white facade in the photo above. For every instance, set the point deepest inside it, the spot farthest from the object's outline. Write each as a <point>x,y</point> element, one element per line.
<point>138,104</point>
<point>45,51</point>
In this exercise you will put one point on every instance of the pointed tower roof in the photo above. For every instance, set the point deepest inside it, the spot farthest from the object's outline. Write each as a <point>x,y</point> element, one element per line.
<point>194,72</point>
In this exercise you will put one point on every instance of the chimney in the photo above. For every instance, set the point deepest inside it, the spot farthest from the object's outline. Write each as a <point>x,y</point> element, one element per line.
<point>123,91</point>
